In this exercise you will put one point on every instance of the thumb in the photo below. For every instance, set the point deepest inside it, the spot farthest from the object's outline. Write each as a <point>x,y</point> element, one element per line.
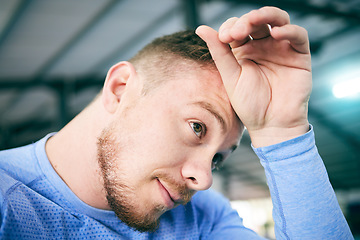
<point>223,57</point>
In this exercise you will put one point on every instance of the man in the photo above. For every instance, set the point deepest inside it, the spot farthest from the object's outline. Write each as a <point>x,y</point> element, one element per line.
<point>134,163</point>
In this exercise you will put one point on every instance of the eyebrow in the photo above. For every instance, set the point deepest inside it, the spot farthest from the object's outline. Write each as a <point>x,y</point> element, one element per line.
<point>210,108</point>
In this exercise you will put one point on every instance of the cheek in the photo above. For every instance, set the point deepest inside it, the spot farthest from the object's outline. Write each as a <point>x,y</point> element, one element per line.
<point>155,137</point>
<point>163,143</point>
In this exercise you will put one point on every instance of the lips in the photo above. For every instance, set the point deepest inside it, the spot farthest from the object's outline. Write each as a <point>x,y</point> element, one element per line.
<point>170,197</point>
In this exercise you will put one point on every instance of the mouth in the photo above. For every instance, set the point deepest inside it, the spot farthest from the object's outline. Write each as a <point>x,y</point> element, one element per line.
<point>171,198</point>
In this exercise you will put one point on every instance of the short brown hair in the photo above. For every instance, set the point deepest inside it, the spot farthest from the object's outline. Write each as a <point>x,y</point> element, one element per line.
<point>166,55</point>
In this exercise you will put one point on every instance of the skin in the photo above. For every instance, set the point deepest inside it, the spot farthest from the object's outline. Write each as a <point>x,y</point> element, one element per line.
<point>267,79</point>
<point>154,151</point>
<point>156,154</point>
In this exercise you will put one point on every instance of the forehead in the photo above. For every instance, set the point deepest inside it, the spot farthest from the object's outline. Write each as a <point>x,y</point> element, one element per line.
<point>203,86</point>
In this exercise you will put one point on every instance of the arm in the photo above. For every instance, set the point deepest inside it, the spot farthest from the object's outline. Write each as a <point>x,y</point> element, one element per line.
<point>267,75</point>
<point>305,205</point>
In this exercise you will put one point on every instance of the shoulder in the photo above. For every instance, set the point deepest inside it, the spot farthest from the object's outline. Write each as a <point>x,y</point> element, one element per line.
<point>7,183</point>
<point>208,208</point>
<point>16,157</point>
<point>202,215</point>
<point>205,206</point>
<point>209,197</point>
<point>213,213</point>
<point>15,152</point>
<point>22,163</point>
<point>18,163</point>
<point>212,204</point>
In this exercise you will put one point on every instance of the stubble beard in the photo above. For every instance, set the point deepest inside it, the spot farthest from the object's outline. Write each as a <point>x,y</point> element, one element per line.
<point>121,197</point>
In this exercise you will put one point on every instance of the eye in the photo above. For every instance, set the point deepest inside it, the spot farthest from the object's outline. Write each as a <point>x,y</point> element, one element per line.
<point>217,161</point>
<point>198,128</point>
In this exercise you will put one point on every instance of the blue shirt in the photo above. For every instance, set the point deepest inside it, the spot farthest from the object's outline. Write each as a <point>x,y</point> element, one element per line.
<point>36,204</point>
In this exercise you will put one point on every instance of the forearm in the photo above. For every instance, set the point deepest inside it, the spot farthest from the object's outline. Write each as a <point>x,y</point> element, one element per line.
<point>305,205</point>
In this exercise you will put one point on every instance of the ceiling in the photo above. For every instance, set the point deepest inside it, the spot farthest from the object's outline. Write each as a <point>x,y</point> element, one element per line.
<point>54,56</point>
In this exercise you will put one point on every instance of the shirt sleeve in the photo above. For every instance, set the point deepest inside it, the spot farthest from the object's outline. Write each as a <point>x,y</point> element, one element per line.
<point>304,202</point>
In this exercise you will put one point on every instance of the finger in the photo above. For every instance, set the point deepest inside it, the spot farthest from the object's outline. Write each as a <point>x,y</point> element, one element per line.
<point>269,15</point>
<point>224,35</point>
<point>235,44</point>
<point>222,55</point>
<point>236,29</point>
<point>256,22</point>
<point>296,35</point>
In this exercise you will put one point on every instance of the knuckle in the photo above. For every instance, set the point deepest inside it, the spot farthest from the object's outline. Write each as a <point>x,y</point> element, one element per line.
<point>270,8</point>
<point>229,22</point>
<point>286,15</point>
<point>302,31</point>
<point>232,19</point>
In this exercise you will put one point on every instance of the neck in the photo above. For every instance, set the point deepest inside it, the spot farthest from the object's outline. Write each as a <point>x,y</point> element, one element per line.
<point>73,154</point>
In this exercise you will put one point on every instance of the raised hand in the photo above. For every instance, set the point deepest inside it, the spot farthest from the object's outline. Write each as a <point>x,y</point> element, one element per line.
<point>266,72</point>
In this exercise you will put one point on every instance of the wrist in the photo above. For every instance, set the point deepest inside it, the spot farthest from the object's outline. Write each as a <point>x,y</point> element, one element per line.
<point>273,135</point>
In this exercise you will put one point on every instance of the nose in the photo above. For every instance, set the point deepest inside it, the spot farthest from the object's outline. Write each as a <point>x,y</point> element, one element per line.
<point>197,174</point>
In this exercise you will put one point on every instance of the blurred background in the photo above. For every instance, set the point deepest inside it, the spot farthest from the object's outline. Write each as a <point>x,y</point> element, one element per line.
<point>54,56</point>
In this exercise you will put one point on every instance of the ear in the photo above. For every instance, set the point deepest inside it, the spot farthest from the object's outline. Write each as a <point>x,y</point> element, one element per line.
<point>115,84</point>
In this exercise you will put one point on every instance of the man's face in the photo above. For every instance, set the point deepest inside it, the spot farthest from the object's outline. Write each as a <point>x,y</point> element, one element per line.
<point>162,147</point>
